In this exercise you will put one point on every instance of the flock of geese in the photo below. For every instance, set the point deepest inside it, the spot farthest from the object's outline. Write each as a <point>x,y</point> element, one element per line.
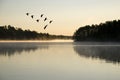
<point>41,16</point>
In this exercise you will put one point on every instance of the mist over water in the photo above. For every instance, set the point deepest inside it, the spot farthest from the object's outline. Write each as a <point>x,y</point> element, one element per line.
<point>59,61</point>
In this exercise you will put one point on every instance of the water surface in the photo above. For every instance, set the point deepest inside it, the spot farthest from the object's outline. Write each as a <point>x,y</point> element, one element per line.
<point>59,61</point>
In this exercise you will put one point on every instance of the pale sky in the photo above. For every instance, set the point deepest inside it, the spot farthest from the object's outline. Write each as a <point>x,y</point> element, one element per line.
<point>67,15</point>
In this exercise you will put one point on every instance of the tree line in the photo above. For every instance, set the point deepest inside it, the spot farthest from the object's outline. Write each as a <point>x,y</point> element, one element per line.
<point>108,31</point>
<point>13,33</point>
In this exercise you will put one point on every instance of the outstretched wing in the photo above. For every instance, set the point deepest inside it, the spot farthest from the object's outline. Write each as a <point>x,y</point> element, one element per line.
<point>27,14</point>
<point>37,20</point>
<point>32,16</point>
<point>41,15</point>
<point>50,21</point>
<point>45,26</point>
<point>45,19</point>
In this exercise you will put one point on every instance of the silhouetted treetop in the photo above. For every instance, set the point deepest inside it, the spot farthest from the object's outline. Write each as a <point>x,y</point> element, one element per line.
<point>11,33</point>
<point>108,31</point>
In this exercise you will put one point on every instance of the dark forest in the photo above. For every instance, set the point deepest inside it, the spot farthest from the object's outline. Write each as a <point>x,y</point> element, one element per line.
<point>13,33</point>
<point>108,31</point>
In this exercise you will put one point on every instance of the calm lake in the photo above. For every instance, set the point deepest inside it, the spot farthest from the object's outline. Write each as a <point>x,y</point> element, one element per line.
<point>59,61</point>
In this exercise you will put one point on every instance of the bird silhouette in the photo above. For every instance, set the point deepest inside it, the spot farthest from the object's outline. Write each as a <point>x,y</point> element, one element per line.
<point>45,19</point>
<point>27,14</point>
<point>45,26</point>
<point>41,15</point>
<point>50,21</point>
<point>37,20</point>
<point>32,16</point>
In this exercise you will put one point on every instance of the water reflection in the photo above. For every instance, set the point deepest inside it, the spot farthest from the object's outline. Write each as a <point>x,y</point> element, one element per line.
<point>109,53</point>
<point>9,49</point>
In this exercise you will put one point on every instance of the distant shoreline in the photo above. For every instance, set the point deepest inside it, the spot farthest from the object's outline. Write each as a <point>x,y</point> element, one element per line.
<point>13,33</point>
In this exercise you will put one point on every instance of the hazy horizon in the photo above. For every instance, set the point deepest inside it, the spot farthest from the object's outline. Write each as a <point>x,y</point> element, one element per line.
<point>67,15</point>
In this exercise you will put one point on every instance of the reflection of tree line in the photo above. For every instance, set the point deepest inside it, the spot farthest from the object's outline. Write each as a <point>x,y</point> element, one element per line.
<point>9,49</point>
<point>107,53</point>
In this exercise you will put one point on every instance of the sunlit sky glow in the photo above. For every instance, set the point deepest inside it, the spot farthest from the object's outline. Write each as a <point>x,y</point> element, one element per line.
<point>68,15</point>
